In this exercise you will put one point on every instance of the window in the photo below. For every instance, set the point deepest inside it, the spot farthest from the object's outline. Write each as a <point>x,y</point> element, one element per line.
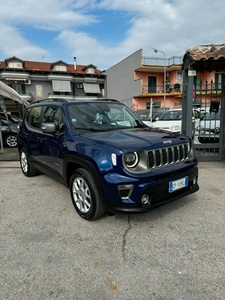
<point>154,104</point>
<point>15,65</point>
<point>20,88</point>
<point>33,117</point>
<point>61,87</point>
<point>198,83</point>
<point>151,84</point>
<point>90,70</point>
<point>60,68</point>
<point>179,76</point>
<point>219,81</point>
<point>52,114</point>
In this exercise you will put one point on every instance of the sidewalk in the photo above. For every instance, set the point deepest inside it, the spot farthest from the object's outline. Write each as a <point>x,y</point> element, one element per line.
<point>9,154</point>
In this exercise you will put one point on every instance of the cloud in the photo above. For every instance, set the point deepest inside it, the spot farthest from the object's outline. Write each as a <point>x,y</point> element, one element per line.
<point>16,45</point>
<point>83,28</point>
<point>47,14</point>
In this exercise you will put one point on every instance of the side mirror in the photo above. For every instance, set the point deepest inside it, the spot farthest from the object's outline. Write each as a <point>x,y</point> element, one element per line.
<point>48,127</point>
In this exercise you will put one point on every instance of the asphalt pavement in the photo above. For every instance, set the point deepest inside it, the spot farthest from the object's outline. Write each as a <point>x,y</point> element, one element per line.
<point>176,252</point>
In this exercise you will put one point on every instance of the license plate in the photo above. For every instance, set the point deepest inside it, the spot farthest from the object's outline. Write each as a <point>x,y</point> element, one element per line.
<point>178,184</point>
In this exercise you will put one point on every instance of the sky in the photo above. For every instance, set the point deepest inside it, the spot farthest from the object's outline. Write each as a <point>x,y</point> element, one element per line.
<point>104,32</point>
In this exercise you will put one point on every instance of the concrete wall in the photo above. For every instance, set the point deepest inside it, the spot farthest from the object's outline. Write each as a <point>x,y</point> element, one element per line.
<point>120,83</point>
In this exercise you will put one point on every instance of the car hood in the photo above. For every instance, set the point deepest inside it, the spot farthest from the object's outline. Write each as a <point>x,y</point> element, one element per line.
<point>141,139</point>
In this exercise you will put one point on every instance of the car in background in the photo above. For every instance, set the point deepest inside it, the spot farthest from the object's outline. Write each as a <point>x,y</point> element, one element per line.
<point>209,128</point>
<point>11,118</point>
<point>171,120</point>
<point>147,119</point>
<point>9,129</point>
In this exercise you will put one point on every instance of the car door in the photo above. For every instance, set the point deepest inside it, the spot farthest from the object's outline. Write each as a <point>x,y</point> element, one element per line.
<point>30,133</point>
<point>51,145</point>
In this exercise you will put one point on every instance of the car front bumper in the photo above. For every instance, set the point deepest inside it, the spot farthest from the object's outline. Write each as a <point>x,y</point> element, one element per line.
<point>158,194</point>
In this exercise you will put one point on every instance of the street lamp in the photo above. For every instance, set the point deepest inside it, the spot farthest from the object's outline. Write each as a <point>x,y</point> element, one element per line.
<point>164,83</point>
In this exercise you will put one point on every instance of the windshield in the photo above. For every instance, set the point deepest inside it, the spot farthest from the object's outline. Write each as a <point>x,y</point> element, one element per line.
<point>101,116</point>
<point>213,115</point>
<point>171,115</point>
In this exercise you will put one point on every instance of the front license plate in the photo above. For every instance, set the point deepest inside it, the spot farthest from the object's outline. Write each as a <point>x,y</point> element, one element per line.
<point>178,184</point>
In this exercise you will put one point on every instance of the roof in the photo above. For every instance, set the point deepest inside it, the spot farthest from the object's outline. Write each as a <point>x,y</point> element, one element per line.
<point>205,57</point>
<point>47,67</point>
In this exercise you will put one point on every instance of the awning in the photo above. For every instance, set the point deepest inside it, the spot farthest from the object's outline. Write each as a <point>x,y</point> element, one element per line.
<point>9,93</point>
<point>61,86</point>
<point>15,79</point>
<point>91,88</point>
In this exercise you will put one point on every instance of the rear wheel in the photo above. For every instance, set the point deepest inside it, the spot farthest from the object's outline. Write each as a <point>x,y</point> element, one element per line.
<point>26,167</point>
<point>85,196</point>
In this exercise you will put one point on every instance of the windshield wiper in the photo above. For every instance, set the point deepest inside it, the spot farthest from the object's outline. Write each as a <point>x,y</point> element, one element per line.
<point>88,129</point>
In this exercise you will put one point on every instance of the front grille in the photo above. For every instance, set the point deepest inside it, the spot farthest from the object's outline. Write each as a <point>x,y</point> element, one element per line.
<point>169,155</point>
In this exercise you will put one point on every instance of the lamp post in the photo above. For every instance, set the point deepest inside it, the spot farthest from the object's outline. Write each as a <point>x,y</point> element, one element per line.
<point>164,83</point>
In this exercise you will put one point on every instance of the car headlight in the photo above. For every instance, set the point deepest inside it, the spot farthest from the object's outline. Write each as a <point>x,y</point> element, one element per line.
<point>175,128</point>
<point>131,159</point>
<point>4,127</point>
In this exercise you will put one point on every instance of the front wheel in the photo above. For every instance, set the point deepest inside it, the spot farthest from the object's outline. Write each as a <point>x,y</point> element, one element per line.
<point>11,140</point>
<point>85,196</point>
<point>26,167</point>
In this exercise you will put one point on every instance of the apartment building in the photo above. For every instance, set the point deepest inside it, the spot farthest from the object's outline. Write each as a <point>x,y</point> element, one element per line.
<point>37,80</point>
<point>138,79</point>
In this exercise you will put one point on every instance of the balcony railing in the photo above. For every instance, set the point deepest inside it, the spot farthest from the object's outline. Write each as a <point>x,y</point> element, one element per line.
<point>159,89</point>
<point>159,61</point>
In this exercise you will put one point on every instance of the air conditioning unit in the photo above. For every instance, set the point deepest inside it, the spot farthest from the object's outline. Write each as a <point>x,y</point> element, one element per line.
<point>79,85</point>
<point>28,82</point>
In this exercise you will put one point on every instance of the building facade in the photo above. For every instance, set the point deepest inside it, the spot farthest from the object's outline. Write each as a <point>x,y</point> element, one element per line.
<point>38,80</point>
<point>137,80</point>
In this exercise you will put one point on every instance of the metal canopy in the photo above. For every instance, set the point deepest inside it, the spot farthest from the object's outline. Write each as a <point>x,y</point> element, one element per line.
<point>9,93</point>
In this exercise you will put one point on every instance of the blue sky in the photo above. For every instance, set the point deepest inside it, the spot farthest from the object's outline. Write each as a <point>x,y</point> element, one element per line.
<point>104,32</point>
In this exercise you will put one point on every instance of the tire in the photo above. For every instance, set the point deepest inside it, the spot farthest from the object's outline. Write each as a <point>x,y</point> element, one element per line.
<point>85,195</point>
<point>26,167</point>
<point>10,140</point>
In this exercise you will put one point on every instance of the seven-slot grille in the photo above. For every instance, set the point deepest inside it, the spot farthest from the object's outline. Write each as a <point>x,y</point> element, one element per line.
<point>168,155</point>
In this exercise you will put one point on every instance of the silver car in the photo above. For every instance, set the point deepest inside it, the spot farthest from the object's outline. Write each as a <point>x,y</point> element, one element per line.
<point>209,128</point>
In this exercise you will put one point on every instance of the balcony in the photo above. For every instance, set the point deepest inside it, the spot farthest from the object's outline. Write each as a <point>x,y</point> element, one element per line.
<point>158,90</point>
<point>159,61</point>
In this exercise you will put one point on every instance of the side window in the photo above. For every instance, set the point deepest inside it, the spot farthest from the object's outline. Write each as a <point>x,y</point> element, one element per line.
<point>52,114</point>
<point>33,116</point>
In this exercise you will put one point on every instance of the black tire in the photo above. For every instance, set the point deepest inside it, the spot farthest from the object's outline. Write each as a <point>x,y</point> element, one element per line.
<point>26,167</point>
<point>85,195</point>
<point>10,140</point>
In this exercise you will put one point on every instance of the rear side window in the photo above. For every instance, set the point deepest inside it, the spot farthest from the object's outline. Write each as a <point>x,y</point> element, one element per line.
<point>33,116</point>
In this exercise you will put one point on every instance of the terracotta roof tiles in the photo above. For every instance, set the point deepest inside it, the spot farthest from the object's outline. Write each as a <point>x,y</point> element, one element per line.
<point>47,67</point>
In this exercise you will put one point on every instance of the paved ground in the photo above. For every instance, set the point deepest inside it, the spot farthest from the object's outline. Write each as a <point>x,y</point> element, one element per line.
<point>48,252</point>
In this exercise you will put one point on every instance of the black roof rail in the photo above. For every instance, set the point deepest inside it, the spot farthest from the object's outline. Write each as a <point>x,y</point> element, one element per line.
<point>106,99</point>
<point>50,100</point>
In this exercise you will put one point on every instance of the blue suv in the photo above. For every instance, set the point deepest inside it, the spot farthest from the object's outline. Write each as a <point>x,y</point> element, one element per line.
<point>110,160</point>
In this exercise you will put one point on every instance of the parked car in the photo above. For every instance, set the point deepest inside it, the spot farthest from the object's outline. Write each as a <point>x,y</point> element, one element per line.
<point>209,128</point>
<point>9,134</point>
<point>171,120</point>
<point>9,129</point>
<point>11,118</point>
<point>147,119</point>
<point>108,166</point>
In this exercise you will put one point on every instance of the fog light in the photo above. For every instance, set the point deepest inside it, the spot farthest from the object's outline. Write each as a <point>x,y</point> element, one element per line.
<point>145,199</point>
<point>194,180</point>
